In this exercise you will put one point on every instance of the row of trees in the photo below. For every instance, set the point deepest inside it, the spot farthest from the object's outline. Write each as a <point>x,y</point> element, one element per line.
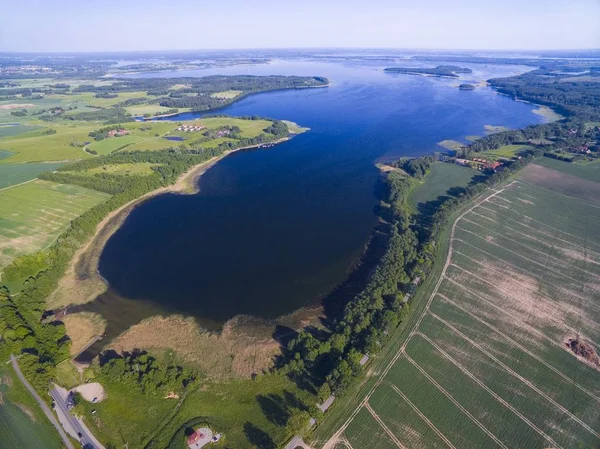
<point>333,359</point>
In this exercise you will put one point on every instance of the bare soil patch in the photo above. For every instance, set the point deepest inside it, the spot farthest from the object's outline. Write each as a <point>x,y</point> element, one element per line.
<point>584,351</point>
<point>563,183</point>
<point>17,106</point>
<point>91,391</point>
<point>528,202</point>
<point>27,411</point>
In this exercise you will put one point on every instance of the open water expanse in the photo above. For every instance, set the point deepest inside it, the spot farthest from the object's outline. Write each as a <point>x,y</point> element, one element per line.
<point>276,229</point>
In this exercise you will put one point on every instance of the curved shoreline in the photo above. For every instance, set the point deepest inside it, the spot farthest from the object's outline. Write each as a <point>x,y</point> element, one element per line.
<point>82,281</point>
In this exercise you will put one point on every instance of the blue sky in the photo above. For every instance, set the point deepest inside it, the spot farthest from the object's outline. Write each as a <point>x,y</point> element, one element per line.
<point>68,25</point>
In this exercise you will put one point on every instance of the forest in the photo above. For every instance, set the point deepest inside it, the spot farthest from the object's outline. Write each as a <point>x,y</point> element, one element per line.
<point>448,71</point>
<point>570,94</point>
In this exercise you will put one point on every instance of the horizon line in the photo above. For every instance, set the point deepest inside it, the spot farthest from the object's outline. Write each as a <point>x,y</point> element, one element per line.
<point>425,49</point>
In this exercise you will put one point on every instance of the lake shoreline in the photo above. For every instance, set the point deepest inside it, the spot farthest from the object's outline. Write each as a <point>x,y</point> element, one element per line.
<point>82,279</point>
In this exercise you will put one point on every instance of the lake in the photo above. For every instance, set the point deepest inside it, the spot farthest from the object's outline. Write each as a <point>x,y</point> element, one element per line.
<point>273,230</point>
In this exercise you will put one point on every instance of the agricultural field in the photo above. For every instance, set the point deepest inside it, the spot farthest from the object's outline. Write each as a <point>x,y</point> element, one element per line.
<point>151,109</point>
<point>503,352</point>
<point>132,169</point>
<point>37,146</point>
<point>32,215</point>
<point>13,174</point>
<point>107,146</point>
<point>22,423</point>
<point>14,129</point>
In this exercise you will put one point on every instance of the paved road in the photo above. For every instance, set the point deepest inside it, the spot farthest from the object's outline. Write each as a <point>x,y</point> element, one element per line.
<point>73,425</point>
<point>295,442</point>
<point>42,404</point>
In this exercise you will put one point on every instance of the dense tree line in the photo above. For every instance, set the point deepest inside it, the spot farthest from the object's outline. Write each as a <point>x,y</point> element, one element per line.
<point>209,84</point>
<point>142,373</point>
<point>417,167</point>
<point>334,358</point>
<point>41,345</point>
<point>106,95</point>
<point>448,71</point>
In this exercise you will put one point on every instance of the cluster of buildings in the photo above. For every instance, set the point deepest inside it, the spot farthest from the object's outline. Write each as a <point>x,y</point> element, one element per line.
<point>581,149</point>
<point>223,132</point>
<point>117,132</point>
<point>24,69</point>
<point>477,163</point>
<point>191,128</point>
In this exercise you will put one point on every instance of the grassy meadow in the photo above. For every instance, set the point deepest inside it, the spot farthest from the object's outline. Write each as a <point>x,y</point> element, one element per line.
<point>107,146</point>
<point>32,215</point>
<point>483,360</point>
<point>504,152</point>
<point>441,181</point>
<point>37,146</point>
<point>241,410</point>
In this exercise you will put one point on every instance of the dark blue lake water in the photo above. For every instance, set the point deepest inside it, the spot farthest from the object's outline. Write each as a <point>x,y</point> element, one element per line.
<point>276,229</point>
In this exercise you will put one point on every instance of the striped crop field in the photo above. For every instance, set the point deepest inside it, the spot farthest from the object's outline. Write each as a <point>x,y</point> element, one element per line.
<point>505,352</point>
<point>33,214</point>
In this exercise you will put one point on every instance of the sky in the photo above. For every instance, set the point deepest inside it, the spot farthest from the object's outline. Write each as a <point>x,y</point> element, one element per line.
<point>112,25</point>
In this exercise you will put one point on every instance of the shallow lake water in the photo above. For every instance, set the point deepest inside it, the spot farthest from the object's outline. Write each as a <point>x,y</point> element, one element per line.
<point>273,230</point>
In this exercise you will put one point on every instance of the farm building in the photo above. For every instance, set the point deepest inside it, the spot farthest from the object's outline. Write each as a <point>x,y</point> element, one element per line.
<point>202,437</point>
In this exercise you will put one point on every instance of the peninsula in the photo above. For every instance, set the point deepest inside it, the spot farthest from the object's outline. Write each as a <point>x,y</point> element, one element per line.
<point>443,71</point>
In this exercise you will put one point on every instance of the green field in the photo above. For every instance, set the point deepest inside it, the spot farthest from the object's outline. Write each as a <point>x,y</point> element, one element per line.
<point>149,109</point>
<point>10,131</point>
<point>39,147</point>
<point>32,215</point>
<point>504,152</point>
<point>228,94</point>
<point>483,362</point>
<point>442,177</point>
<point>108,145</point>
<point>22,423</point>
<point>141,168</point>
<point>589,170</point>
<point>17,173</point>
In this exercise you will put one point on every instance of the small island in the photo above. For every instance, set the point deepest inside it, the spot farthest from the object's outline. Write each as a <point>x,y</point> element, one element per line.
<point>466,86</point>
<point>443,71</point>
